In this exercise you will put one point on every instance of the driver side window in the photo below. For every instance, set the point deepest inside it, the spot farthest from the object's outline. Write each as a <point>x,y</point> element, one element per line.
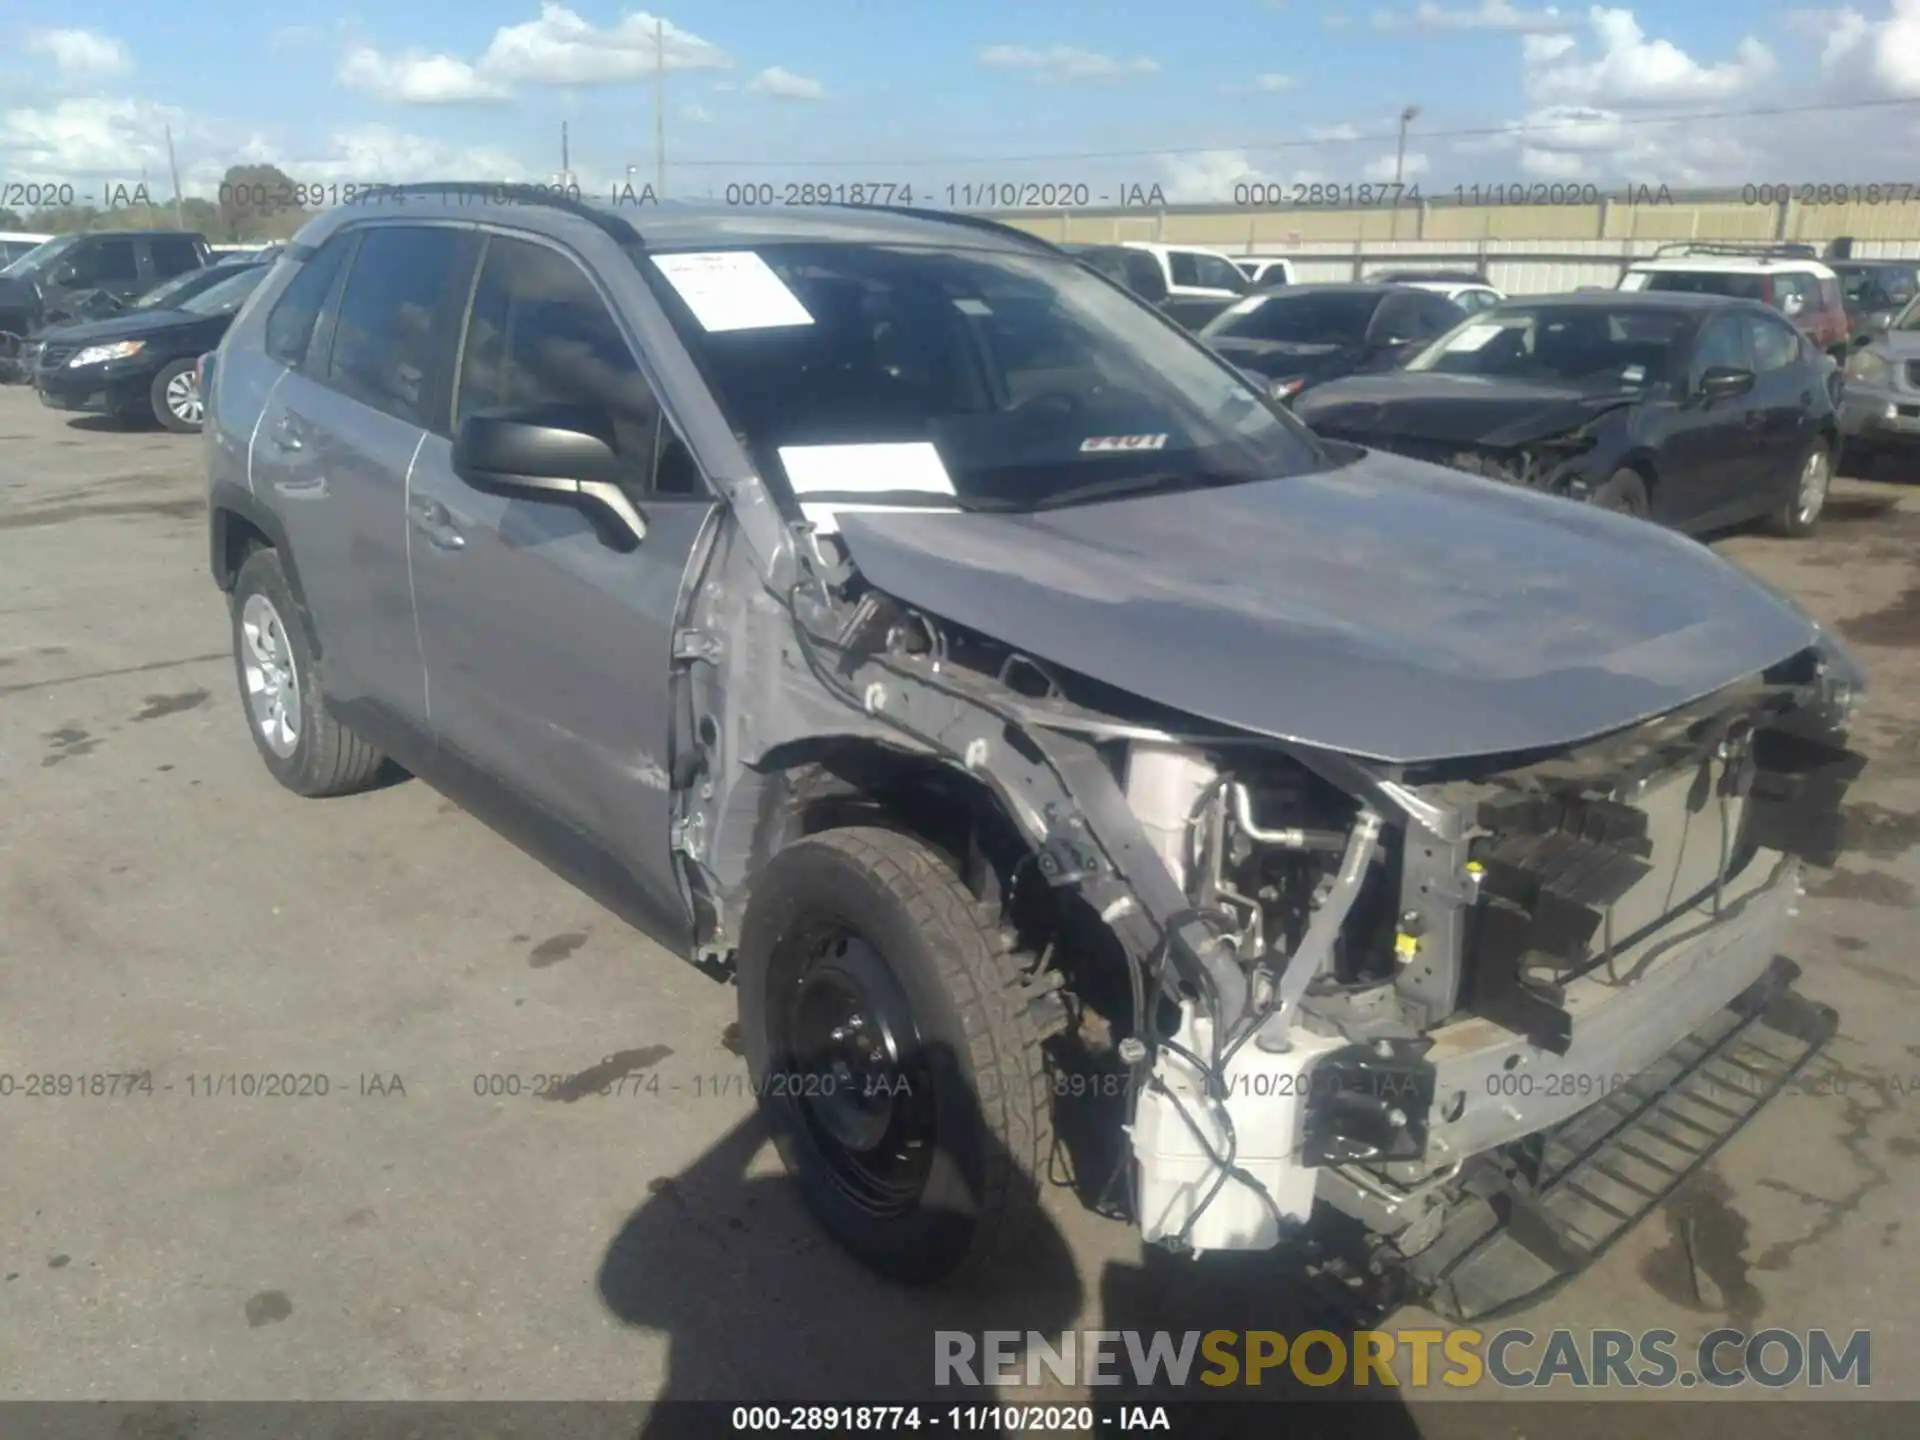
<point>539,336</point>
<point>1721,345</point>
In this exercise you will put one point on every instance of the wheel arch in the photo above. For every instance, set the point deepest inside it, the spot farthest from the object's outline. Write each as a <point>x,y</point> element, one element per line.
<point>237,525</point>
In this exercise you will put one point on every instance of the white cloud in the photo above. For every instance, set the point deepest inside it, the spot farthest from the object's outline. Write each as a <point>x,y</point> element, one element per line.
<point>1552,164</point>
<point>560,48</point>
<point>416,79</point>
<point>1576,142</point>
<point>1066,64</point>
<point>1881,57</point>
<point>80,54</point>
<point>1630,69</point>
<point>697,114</point>
<point>785,85</point>
<point>1208,176</point>
<point>1487,15</point>
<point>381,153</point>
<point>1333,20</point>
<point>1272,84</point>
<point>1333,132</point>
<point>84,139</point>
<point>1381,168</point>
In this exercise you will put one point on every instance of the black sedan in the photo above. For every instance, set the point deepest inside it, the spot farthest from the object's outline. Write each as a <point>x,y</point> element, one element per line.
<point>140,365</point>
<point>1299,336</point>
<point>1696,411</point>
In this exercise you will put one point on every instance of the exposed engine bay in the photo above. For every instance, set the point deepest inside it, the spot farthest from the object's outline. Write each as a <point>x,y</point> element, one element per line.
<point>1332,983</point>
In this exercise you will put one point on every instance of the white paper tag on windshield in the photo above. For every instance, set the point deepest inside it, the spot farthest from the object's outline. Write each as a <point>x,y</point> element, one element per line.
<point>1474,337</point>
<point>865,469</point>
<point>967,305</point>
<point>732,290</point>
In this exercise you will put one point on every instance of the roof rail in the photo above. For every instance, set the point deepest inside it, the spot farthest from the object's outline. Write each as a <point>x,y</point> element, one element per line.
<point>502,193</point>
<point>1754,249</point>
<point>956,217</point>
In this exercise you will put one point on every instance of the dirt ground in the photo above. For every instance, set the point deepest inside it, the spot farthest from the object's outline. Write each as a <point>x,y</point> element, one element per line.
<point>165,907</point>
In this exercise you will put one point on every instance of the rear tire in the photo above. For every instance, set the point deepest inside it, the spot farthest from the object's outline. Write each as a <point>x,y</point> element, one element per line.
<point>1625,493</point>
<point>281,694</point>
<point>1799,515</point>
<point>873,927</point>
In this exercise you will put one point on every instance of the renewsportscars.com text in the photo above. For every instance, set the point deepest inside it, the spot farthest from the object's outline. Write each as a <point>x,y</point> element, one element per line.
<point>1512,1358</point>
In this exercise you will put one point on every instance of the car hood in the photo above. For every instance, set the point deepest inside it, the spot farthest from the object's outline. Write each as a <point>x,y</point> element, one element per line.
<point>1388,609</point>
<point>1458,408</point>
<point>131,325</point>
<point>1898,345</point>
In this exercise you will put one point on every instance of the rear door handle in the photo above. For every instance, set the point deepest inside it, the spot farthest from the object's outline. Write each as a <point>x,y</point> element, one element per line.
<point>432,520</point>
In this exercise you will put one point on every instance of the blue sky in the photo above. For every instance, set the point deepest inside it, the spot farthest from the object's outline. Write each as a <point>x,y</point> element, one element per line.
<point>943,93</point>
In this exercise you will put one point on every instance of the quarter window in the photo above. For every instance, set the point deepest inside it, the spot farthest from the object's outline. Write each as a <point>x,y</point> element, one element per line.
<point>1775,346</point>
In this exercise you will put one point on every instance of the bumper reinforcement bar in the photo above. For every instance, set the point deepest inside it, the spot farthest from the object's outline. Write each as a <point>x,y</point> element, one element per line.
<point>1534,1214</point>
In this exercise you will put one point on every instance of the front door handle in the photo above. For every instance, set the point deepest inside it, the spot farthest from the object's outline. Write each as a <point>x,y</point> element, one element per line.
<point>287,434</point>
<point>432,520</point>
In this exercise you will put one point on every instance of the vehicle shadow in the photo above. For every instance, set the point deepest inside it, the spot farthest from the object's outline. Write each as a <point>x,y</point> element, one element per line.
<point>759,1305</point>
<point>108,425</point>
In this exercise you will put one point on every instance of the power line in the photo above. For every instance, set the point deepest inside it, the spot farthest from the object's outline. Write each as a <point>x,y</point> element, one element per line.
<point>1512,129</point>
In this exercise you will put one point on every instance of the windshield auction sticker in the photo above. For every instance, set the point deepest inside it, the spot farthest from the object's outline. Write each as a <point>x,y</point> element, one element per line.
<point>829,480</point>
<point>733,290</point>
<point>1095,443</point>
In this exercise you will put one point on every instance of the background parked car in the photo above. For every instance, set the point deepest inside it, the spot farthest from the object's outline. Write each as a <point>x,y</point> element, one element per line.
<point>1790,278</point>
<point>1122,264</point>
<point>1263,271</point>
<point>1874,291</point>
<point>1880,404</point>
<point>1693,410</point>
<point>52,282</point>
<point>1302,335</point>
<point>1469,291</point>
<point>142,364</point>
<point>15,244</point>
<point>1200,283</point>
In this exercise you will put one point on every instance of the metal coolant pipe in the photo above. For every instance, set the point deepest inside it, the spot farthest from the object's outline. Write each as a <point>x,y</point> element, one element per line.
<point>1316,946</point>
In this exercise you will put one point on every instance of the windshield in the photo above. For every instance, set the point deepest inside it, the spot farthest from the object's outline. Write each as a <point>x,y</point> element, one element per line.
<point>1742,285</point>
<point>1559,344</point>
<point>1301,317</point>
<point>225,297</point>
<point>172,292</point>
<point>1013,378</point>
<point>36,259</point>
<point>1879,287</point>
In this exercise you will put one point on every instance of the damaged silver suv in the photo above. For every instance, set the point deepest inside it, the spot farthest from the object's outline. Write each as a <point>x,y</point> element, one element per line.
<point>908,624</point>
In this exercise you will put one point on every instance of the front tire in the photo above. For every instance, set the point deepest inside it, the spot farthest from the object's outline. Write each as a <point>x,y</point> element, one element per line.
<point>303,746</point>
<point>897,1053</point>
<point>175,396</point>
<point>1799,515</point>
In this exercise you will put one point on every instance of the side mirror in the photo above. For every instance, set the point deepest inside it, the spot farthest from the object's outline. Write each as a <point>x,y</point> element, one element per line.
<point>1723,382</point>
<point>560,455</point>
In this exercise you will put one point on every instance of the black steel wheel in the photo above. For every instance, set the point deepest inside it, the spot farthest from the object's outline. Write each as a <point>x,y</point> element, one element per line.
<point>896,1051</point>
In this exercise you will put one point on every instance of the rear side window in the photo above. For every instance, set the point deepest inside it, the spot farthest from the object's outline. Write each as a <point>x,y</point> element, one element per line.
<point>1144,275</point>
<point>106,262</point>
<point>1795,295</point>
<point>542,336</point>
<point>393,336</point>
<point>1214,272</point>
<point>1185,268</point>
<point>173,255</point>
<point>290,325</point>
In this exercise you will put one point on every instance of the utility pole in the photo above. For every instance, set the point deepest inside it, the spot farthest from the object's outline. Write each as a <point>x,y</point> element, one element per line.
<point>1407,117</point>
<point>660,108</point>
<point>179,215</point>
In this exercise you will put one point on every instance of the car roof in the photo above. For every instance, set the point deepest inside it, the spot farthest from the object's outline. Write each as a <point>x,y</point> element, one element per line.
<point>1345,287</point>
<point>1635,300</point>
<point>679,224</point>
<point>1160,247</point>
<point>1737,265</point>
<point>148,234</point>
